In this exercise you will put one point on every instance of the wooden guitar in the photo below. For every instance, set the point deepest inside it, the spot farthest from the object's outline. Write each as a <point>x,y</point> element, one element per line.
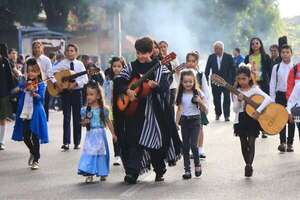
<point>64,78</point>
<point>141,87</point>
<point>272,119</point>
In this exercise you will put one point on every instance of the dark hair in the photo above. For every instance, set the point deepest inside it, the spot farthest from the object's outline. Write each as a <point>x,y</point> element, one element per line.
<point>111,62</point>
<point>52,55</point>
<point>31,62</point>
<point>181,89</point>
<point>163,42</point>
<point>194,54</point>
<point>247,72</point>
<point>3,50</point>
<point>285,46</point>
<point>237,50</point>
<point>74,46</point>
<point>144,45</point>
<point>11,50</point>
<point>95,86</point>
<point>261,49</point>
<point>274,46</point>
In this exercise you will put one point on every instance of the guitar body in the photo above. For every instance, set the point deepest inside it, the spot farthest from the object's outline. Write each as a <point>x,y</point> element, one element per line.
<point>273,118</point>
<point>59,76</point>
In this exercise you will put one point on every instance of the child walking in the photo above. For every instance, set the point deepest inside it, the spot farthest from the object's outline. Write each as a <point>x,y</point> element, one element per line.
<point>189,100</point>
<point>31,122</point>
<point>246,127</point>
<point>94,160</point>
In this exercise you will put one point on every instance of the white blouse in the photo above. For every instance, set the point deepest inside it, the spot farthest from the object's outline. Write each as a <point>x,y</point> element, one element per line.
<point>189,108</point>
<point>239,106</point>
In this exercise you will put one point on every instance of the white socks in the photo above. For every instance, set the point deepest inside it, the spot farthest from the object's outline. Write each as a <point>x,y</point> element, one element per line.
<point>200,149</point>
<point>2,133</point>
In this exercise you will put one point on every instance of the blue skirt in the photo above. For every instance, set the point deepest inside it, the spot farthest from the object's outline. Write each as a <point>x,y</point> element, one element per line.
<point>94,159</point>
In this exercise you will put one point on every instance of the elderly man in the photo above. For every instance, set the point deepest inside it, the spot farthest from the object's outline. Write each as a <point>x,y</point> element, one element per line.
<point>221,63</point>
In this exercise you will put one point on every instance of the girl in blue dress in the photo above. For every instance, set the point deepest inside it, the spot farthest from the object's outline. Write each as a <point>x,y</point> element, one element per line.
<point>31,122</point>
<point>94,160</point>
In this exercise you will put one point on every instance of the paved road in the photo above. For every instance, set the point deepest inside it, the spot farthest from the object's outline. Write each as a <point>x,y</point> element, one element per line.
<point>276,176</point>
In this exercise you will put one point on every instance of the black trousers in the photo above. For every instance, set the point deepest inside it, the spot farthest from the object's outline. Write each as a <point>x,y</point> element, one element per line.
<point>281,99</point>
<point>31,140</point>
<point>190,133</point>
<point>117,149</point>
<point>46,104</point>
<point>71,102</point>
<point>217,92</point>
<point>157,160</point>
<point>172,100</point>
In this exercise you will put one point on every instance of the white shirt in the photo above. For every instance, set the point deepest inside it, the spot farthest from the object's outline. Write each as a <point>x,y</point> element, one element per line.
<point>78,67</point>
<point>219,61</point>
<point>281,76</point>
<point>239,106</point>
<point>45,65</point>
<point>189,108</point>
<point>294,99</point>
<point>176,77</point>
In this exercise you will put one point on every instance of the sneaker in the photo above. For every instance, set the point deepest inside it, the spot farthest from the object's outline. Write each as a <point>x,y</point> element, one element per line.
<point>187,175</point>
<point>65,147</point>
<point>160,176</point>
<point>227,119</point>
<point>30,160</point>
<point>198,171</point>
<point>89,179</point>
<point>217,117</point>
<point>282,147</point>
<point>130,179</point>
<point>290,148</point>
<point>117,161</point>
<point>202,156</point>
<point>103,178</point>
<point>76,147</point>
<point>2,147</point>
<point>35,165</point>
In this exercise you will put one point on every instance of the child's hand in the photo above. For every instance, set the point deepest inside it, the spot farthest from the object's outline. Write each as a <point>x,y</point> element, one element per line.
<point>255,115</point>
<point>131,94</point>
<point>240,97</point>
<point>85,121</point>
<point>73,85</point>
<point>152,84</point>
<point>177,126</point>
<point>34,94</point>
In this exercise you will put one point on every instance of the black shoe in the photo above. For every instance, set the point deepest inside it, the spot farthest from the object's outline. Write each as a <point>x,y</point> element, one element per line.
<point>282,147</point>
<point>248,171</point>
<point>77,147</point>
<point>172,163</point>
<point>217,117</point>
<point>130,179</point>
<point>198,172</point>
<point>65,147</point>
<point>227,119</point>
<point>202,156</point>
<point>290,148</point>
<point>160,176</point>
<point>187,175</point>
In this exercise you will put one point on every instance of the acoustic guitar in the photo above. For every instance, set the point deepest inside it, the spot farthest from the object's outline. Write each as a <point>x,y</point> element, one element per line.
<point>272,119</point>
<point>64,78</point>
<point>141,87</point>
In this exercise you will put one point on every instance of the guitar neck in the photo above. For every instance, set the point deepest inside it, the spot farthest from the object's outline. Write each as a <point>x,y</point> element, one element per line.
<point>72,77</point>
<point>236,92</point>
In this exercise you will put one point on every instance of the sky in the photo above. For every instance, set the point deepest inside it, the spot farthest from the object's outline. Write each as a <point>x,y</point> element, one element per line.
<point>289,8</point>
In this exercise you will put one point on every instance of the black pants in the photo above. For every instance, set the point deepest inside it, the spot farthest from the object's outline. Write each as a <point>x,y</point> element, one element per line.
<point>281,99</point>
<point>190,133</point>
<point>217,92</point>
<point>71,102</point>
<point>31,140</point>
<point>172,100</point>
<point>116,148</point>
<point>248,148</point>
<point>131,158</point>
<point>157,160</point>
<point>46,104</point>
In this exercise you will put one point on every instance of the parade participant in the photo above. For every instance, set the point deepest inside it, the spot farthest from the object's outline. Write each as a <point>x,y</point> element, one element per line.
<point>31,122</point>
<point>246,127</point>
<point>192,60</point>
<point>71,98</point>
<point>275,54</point>
<point>149,130</point>
<point>261,65</point>
<point>237,57</point>
<point>94,160</point>
<point>221,63</point>
<point>6,85</point>
<point>116,65</point>
<point>278,85</point>
<point>189,99</point>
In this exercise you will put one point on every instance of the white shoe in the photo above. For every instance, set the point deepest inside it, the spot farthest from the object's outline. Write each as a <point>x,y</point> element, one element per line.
<point>89,179</point>
<point>117,161</point>
<point>35,166</point>
<point>30,160</point>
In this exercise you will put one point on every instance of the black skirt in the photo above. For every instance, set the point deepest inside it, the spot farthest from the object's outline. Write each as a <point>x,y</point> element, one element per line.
<point>247,126</point>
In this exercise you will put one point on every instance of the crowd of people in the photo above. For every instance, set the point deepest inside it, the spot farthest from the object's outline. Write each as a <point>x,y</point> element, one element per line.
<point>173,99</point>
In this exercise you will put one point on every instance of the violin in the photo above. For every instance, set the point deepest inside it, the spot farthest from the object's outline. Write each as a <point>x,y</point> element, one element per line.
<point>31,85</point>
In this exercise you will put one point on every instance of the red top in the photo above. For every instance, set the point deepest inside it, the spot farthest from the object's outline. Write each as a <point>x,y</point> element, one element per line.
<point>291,81</point>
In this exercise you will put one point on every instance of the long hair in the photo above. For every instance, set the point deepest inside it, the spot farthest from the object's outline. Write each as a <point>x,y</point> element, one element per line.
<point>112,61</point>
<point>95,86</point>
<point>247,72</point>
<point>31,62</point>
<point>181,88</point>
<point>261,49</point>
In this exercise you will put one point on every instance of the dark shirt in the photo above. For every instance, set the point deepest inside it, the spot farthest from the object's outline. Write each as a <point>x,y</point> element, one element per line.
<point>6,80</point>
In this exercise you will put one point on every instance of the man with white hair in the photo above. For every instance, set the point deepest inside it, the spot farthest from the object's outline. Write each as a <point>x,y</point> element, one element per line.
<point>222,64</point>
